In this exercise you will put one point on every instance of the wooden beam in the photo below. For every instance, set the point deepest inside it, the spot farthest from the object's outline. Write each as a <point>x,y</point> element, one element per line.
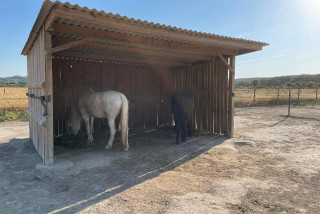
<point>123,59</point>
<point>50,19</point>
<point>225,62</point>
<point>135,39</point>
<point>231,97</point>
<point>140,51</point>
<point>72,44</point>
<point>40,121</point>
<point>150,31</point>
<point>49,103</point>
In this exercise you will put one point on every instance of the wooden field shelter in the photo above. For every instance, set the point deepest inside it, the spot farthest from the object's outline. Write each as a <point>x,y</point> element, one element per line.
<point>72,48</point>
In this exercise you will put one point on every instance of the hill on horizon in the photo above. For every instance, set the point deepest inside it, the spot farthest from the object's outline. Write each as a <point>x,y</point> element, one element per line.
<point>13,80</point>
<point>280,80</point>
<point>265,81</point>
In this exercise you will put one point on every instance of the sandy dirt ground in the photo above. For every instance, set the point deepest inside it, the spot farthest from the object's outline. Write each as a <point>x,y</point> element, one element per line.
<point>271,166</point>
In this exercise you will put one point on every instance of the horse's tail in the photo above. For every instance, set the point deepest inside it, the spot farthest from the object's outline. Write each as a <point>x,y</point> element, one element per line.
<point>124,121</point>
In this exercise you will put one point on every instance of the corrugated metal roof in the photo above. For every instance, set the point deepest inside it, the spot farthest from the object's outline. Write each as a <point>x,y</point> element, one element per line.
<point>47,6</point>
<point>152,24</point>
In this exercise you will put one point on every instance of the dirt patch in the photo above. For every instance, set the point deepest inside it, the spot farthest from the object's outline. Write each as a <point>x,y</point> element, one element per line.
<point>271,166</point>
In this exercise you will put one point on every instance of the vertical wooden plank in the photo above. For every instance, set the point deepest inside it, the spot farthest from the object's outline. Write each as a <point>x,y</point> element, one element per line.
<point>219,96</point>
<point>201,96</point>
<point>41,91</point>
<point>48,159</point>
<point>29,101</point>
<point>211,97</point>
<point>206,96</point>
<point>224,99</point>
<point>231,97</point>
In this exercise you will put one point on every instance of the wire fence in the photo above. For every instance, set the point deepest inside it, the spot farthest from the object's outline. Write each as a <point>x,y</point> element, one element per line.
<point>299,101</point>
<point>248,97</point>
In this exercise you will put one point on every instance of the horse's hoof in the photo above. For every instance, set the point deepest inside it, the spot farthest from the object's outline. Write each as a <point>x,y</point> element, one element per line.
<point>177,142</point>
<point>126,148</point>
<point>108,147</point>
<point>183,140</point>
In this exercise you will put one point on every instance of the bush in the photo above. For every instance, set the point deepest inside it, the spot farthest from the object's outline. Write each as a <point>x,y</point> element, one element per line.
<point>12,115</point>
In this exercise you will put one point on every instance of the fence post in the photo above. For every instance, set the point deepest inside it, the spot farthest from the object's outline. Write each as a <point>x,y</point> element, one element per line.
<point>278,96</point>
<point>289,101</point>
<point>254,95</point>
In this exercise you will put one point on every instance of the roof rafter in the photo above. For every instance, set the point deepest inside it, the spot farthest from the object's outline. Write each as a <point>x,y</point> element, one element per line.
<point>72,44</point>
<point>116,58</point>
<point>117,36</point>
<point>136,50</point>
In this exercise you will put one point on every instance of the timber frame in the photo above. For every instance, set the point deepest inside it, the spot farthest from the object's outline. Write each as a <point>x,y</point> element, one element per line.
<point>66,35</point>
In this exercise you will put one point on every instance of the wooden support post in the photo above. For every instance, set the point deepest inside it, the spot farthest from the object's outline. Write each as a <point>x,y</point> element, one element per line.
<point>215,98</point>
<point>231,98</point>
<point>225,62</point>
<point>48,158</point>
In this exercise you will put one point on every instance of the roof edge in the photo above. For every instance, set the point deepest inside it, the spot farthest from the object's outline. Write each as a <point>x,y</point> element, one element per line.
<point>48,5</point>
<point>42,16</point>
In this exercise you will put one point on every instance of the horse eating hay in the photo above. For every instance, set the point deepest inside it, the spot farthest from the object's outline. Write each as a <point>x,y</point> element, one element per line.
<point>105,104</point>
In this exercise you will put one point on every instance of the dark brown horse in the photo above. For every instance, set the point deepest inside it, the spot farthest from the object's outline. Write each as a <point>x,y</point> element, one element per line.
<point>182,106</point>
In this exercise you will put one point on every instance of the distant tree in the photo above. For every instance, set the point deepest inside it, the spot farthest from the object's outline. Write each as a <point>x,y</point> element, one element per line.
<point>311,85</point>
<point>288,85</point>
<point>255,83</point>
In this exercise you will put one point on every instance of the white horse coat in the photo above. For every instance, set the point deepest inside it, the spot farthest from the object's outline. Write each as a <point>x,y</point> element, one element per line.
<point>106,104</point>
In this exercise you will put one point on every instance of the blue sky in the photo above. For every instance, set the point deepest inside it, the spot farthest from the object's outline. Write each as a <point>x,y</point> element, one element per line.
<point>291,27</point>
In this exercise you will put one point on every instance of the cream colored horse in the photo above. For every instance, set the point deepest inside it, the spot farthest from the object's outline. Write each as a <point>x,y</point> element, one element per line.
<point>106,104</point>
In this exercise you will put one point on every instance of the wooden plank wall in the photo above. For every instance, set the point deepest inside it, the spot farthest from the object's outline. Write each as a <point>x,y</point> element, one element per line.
<point>36,74</point>
<point>208,82</point>
<point>146,87</point>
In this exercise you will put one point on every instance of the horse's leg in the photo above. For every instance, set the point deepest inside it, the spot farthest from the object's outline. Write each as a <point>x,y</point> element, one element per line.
<point>178,128</point>
<point>87,123</point>
<point>112,133</point>
<point>189,122</point>
<point>91,128</point>
<point>184,128</point>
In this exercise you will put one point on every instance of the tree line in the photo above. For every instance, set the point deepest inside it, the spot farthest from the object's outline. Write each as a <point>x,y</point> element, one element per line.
<point>299,81</point>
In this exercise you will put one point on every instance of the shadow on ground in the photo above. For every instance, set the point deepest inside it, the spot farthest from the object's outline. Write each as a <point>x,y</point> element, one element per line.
<point>96,175</point>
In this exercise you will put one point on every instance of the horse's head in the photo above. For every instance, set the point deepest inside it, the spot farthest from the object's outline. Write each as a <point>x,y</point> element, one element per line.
<point>74,121</point>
